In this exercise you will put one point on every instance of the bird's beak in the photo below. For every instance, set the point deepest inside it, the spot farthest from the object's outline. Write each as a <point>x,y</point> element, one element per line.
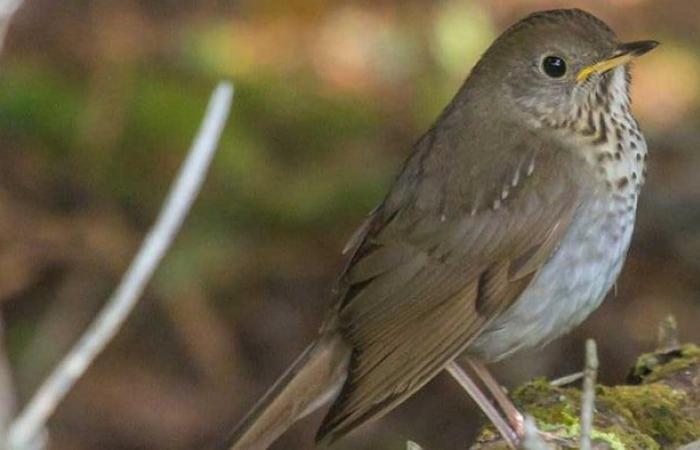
<point>623,54</point>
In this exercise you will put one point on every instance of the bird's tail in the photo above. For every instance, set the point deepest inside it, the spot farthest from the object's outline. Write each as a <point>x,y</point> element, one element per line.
<point>313,380</point>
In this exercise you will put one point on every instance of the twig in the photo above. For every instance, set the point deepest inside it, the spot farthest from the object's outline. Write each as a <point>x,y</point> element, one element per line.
<point>692,446</point>
<point>566,379</point>
<point>410,445</point>
<point>590,373</point>
<point>185,188</point>
<point>8,8</point>
<point>531,437</point>
<point>667,335</point>
<point>7,390</point>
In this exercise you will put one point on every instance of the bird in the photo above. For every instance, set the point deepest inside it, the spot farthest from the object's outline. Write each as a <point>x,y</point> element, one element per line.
<point>506,226</point>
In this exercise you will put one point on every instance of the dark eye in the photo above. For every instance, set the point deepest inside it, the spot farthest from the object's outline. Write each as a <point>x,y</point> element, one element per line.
<point>554,66</point>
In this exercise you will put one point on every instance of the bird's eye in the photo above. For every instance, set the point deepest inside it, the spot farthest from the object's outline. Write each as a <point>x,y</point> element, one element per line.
<point>554,66</point>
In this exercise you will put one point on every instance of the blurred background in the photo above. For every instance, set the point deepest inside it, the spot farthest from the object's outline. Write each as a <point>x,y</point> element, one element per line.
<point>98,103</point>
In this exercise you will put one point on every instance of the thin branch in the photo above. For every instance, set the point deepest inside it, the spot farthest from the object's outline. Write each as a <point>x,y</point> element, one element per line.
<point>8,8</point>
<point>692,446</point>
<point>183,192</point>
<point>410,445</point>
<point>667,335</point>
<point>590,373</point>
<point>7,390</point>
<point>566,379</point>
<point>531,437</point>
<point>8,399</point>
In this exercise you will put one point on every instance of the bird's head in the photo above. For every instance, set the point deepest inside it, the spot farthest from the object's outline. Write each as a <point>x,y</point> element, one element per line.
<point>554,66</point>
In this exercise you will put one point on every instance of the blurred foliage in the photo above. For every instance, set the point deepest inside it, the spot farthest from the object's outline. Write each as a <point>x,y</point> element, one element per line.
<point>98,103</point>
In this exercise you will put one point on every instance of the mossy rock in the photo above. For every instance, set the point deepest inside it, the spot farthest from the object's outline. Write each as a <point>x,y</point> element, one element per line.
<point>659,409</point>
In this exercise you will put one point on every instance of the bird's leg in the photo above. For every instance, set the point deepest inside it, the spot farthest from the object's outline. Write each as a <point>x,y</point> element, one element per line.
<point>509,435</point>
<point>515,418</point>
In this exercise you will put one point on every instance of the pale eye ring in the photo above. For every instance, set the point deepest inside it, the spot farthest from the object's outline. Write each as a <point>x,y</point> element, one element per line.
<point>554,66</point>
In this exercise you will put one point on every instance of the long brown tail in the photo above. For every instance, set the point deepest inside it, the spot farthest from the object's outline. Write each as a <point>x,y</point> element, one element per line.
<point>313,380</point>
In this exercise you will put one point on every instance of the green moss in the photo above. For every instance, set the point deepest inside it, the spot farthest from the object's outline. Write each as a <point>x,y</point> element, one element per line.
<point>618,435</point>
<point>656,409</point>
<point>611,438</point>
<point>557,411</point>
<point>656,413</point>
<point>548,404</point>
<point>651,367</point>
<point>648,416</point>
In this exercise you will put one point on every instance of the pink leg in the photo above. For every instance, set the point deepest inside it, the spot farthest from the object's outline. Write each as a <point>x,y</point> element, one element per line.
<point>514,416</point>
<point>510,436</point>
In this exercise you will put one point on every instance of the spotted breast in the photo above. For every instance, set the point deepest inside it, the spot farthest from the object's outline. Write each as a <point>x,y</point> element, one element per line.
<point>576,278</point>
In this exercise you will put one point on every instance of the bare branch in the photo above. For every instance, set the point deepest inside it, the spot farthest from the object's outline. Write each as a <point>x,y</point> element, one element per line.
<point>667,336</point>
<point>567,379</point>
<point>692,446</point>
<point>7,390</point>
<point>531,437</point>
<point>590,373</point>
<point>8,8</point>
<point>105,326</point>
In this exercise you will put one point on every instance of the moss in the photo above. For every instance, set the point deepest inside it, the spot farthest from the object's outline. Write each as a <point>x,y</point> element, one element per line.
<point>620,435</point>
<point>649,416</point>
<point>557,411</point>
<point>548,404</point>
<point>612,438</point>
<point>658,412</point>
<point>656,409</point>
<point>651,367</point>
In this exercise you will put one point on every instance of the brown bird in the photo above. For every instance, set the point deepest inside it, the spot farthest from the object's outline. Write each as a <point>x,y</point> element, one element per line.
<point>506,227</point>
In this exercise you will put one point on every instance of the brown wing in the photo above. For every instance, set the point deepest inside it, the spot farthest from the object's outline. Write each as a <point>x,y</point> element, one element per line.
<point>440,258</point>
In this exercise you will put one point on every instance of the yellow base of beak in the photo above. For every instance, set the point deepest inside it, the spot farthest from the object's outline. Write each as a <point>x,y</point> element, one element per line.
<point>603,66</point>
<point>624,54</point>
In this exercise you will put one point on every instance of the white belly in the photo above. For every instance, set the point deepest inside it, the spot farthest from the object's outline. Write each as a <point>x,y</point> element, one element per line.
<point>570,285</point>
<point>574,281</point>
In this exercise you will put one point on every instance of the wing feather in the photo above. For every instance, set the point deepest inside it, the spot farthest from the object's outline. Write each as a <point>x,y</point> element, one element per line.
<point>427,277</point>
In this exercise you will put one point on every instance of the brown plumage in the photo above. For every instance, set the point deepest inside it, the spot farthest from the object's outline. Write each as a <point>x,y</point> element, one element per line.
<point>462,255</point>
<point>430,279</point>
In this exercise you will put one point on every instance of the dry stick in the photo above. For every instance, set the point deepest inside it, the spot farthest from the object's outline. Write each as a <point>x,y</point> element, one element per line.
<point>590,373</point>
<point>667,335</point>
<point>531,437</point>
<point>566,379</point>
<point>7,389</point>
<point>32,420</point>
<point>410,445</point>
<point>8,8</point>
<point>692,446</point>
